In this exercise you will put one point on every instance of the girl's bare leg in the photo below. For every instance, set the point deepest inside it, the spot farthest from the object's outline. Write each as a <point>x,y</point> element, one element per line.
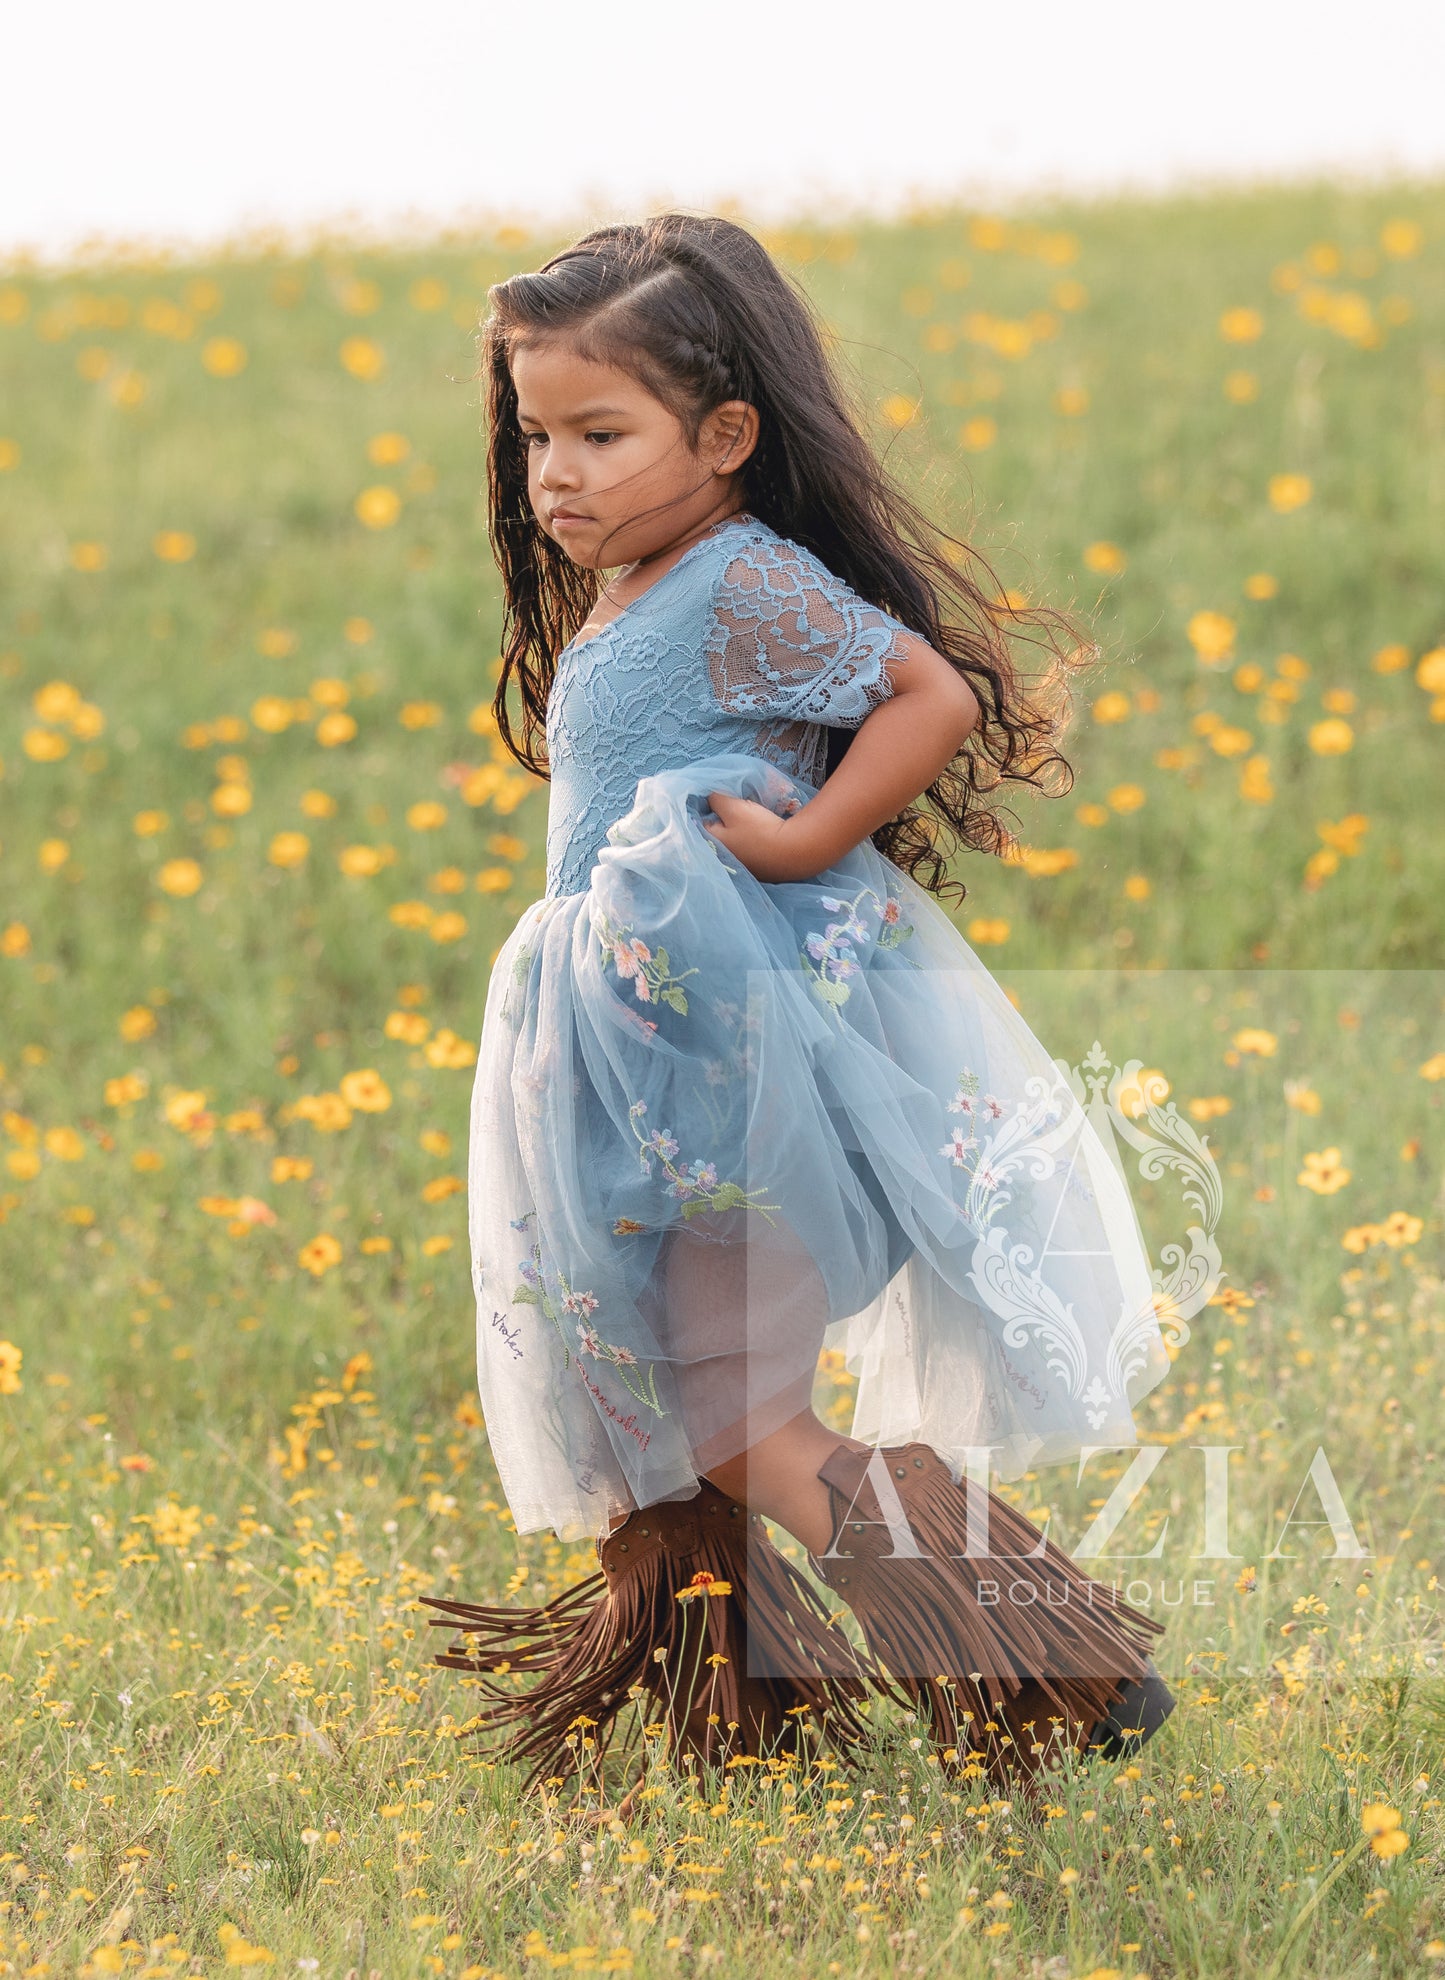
<point>778,1477</point>
<point>751,1307</point>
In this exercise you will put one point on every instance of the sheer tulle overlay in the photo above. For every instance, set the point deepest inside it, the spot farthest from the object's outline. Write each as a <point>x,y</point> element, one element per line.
<point>719,1123</point>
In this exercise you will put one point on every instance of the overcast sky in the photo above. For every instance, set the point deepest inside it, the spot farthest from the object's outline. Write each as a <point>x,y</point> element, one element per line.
<point>185,119</point>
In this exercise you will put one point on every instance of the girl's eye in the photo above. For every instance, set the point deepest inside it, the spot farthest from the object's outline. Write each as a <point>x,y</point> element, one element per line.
<point>604,437</point>
<point>528,438</point>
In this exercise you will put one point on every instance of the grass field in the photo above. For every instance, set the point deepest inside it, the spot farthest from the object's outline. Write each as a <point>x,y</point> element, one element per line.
<point>259,844</point>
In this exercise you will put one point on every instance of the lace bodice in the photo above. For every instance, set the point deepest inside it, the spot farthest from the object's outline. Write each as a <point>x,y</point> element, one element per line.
<point>748,643</point>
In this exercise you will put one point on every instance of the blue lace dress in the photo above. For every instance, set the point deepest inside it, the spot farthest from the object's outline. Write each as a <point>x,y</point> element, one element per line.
<point>719,1123</point>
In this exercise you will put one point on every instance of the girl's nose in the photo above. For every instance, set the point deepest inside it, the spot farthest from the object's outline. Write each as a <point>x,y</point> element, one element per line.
<point>555,471</point>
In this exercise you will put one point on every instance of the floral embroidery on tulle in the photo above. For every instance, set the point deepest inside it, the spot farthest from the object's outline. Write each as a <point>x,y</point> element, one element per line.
<point>524,958</point>
<point>965,1151</point>
<point>533,1292</point>
<point>513,1006</point>
<point>636,963</point>
<point>622,1359</point>
<point>830,958</point>
<point>696,1186</point>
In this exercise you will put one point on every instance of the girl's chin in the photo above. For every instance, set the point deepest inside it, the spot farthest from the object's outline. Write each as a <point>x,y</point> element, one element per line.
<point>578,543</point>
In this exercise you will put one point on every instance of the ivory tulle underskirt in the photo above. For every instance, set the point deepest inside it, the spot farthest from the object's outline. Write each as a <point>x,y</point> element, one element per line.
<point>720,1123</point>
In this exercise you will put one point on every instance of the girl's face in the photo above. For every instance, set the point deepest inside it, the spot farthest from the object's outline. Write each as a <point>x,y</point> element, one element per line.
<point>611,474</point>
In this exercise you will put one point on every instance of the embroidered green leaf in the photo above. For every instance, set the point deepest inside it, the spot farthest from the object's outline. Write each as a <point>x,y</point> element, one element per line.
<point>831,993</point>
<point>649,974</point>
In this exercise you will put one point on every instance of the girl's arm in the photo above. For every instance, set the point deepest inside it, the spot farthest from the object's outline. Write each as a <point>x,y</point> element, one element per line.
<point>898,751</point>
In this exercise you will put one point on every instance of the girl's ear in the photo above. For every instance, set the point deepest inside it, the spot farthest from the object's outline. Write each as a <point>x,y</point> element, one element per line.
<point>728,436</point>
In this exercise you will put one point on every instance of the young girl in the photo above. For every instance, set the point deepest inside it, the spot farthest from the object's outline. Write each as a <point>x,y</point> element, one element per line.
<point>743,1090</point>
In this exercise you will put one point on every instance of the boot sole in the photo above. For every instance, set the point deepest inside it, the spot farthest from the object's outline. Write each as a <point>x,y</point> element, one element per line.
<point>1137,1714</point>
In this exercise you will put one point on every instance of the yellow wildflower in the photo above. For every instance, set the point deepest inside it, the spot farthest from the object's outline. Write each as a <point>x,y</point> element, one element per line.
<point>1332,737</point>
<point>704,1583</point>
<point>337,727</point>
<point>378,507</point>
<point>367,1091</point>
<point>1288,492</point>
<point>289,849</point>
<point>1212,636</point>
<point>1323,1172</point>
<point>224,357</point>
<point>181,878</point>
<point>408,1026</point>
<point>1261,1043</point>
<point>320,1255</point>
<point>362,358</point>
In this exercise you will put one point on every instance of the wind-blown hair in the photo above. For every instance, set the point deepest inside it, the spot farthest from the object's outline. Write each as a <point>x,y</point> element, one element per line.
<point>695,308</point>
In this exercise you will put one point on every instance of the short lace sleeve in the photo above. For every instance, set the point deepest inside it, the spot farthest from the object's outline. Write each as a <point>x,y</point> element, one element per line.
<point>791,642</point>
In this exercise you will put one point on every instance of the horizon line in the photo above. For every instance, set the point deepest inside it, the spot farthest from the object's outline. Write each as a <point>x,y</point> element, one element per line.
<point>416,229</point>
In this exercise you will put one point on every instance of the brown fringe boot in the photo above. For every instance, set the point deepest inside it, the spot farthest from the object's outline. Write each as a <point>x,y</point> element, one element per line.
<point>1009,1656</point>
<point>730,1644</point>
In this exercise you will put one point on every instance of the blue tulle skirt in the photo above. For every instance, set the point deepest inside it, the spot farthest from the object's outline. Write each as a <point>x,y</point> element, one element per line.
<point>719,1124</point>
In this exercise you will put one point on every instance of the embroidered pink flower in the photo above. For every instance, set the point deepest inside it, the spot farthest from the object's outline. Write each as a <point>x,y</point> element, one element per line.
<point>629,958</point>
<point>650,975</point>
<point>963,1100</point>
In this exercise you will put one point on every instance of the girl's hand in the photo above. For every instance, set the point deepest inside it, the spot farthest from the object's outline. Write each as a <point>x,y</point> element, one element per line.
<point>767,845</point>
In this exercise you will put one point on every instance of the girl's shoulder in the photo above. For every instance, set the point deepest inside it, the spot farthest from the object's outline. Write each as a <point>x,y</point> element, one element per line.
<point>731,548</point>
<point>752,561</point>
<point>746,542</point>
<point>756,573</point>
<point>740,556</point>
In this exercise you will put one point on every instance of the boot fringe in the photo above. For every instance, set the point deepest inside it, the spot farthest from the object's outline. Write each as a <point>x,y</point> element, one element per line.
<point>790,1632</point>
<point>1050,1652</point>
<point>595,1647</point>
<point>590,1646</point>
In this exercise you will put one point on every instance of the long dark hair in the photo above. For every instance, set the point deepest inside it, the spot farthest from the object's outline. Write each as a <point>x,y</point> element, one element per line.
<point>696,309</point>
